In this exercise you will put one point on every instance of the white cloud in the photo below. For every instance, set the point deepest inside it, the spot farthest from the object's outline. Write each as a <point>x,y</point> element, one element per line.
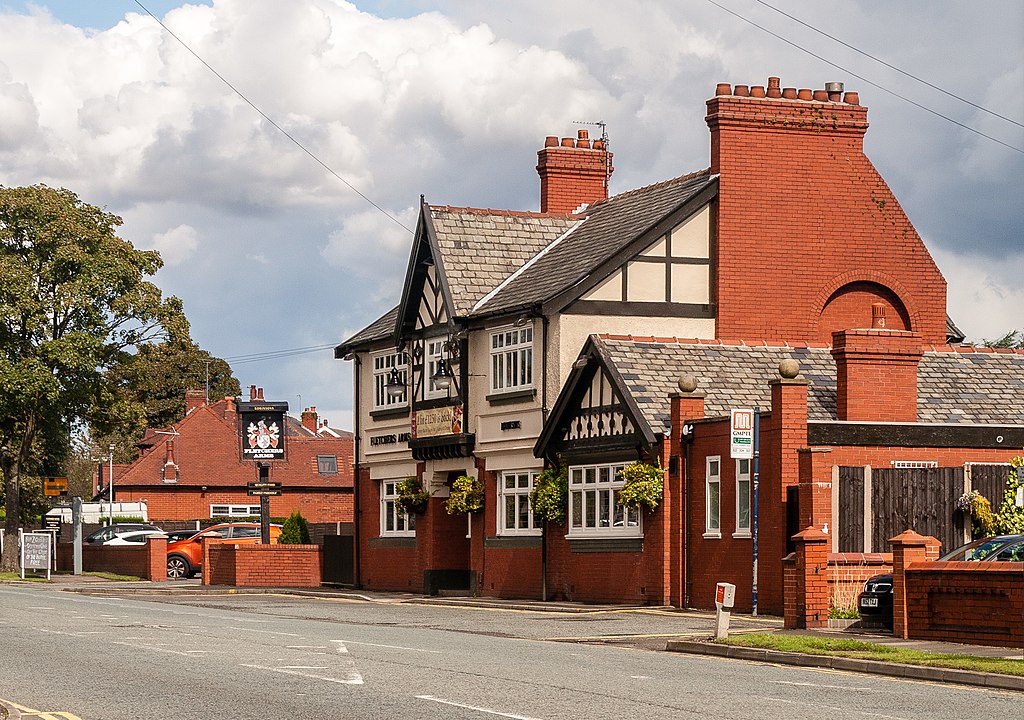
<point>176,245</point>
<point>985,297</point>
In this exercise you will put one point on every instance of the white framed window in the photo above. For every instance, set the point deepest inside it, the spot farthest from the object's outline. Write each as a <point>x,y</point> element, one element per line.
<point>515,516</point>
<point>743,498</point>
<point>713,497</point>
<point>392,522</point>
<point>512,359</point>
<point>593,503</point>
<point>431,361</point>
<point>234,510</point>
<point>383,364</point>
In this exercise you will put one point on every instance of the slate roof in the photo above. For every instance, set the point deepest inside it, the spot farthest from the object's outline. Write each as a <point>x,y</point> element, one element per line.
<point>481,248</point>
<point>609,227</point>
<point>969,385</point>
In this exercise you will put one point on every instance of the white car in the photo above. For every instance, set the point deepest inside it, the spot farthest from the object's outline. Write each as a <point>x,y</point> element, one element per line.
<point>134,537</point>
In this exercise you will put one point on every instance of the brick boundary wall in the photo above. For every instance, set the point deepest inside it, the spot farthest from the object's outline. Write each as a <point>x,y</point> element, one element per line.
<point>981,603</point>
<point>262,565</point>
<point>148,562</point>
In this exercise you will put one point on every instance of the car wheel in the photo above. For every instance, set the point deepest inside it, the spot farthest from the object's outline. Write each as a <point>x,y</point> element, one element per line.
<point>178,567</point>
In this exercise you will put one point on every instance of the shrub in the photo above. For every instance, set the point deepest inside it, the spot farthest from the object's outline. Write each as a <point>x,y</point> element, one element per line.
<point>467,496</point>
<point>295,531</point>
<point>550,495</point>
<point>1010,518</point>
<point>644,486</point>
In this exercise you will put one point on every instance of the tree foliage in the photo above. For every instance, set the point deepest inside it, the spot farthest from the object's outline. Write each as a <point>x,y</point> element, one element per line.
<point>1012,339</point>
<point>74,302</point>
<point>1010,518</point>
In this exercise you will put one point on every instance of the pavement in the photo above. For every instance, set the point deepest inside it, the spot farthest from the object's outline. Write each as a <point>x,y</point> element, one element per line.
<point>90,584</point>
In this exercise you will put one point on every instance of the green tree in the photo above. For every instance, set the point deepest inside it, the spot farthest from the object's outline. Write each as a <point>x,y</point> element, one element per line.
<point>1012,339</point>
<point>295,531</point>
<point>155,379</point>
<point>73,302</point>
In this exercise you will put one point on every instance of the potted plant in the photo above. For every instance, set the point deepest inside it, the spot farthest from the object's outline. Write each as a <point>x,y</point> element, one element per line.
<point>466,496</point>
<point>644,486</point>
<point>411,497</point>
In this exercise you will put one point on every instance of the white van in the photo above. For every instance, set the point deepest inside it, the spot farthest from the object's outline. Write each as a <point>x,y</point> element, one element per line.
<point>96,512</point>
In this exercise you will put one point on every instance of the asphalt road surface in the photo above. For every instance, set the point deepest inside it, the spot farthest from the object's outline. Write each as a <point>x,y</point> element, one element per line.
<point>248,657</point>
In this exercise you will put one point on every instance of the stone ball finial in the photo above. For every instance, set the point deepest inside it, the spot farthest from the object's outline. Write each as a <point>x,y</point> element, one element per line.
<point>789,368</point>
<point>687,383</point>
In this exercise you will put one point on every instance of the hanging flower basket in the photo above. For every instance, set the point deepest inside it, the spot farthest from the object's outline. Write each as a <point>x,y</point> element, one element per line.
<point>644,486</point>
<point>411,496</point>
<point>550,495</point>
<point>977,507</point>
<point>466,496</point>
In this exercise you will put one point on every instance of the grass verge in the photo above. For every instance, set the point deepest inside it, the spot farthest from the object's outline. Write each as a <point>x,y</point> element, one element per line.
<point>842,647</point>
<point>17,576</point>
<point>114,576</point>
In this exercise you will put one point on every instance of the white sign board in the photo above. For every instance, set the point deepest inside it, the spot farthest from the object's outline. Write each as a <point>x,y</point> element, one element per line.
<point>35,552</point>
<point>741,434</point>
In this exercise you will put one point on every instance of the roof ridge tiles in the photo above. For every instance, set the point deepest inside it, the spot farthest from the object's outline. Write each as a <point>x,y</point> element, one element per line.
<point>507,213</point>
<point>653,186</point>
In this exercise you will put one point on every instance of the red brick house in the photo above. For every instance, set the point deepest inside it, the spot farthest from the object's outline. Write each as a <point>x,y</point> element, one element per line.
<point>790,246</point>
<point>194,470</point>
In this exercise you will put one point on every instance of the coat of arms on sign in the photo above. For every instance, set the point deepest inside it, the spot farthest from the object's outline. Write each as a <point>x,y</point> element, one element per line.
<point>263,436</point>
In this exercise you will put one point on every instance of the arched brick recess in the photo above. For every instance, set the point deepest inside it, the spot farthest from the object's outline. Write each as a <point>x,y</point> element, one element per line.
<point>845,302</point>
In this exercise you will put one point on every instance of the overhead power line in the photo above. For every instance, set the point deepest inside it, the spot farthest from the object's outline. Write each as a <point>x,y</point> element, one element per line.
<point>888,65</point>
<point>270,120</point>
<point>864,79</point>
<point>275,354</point>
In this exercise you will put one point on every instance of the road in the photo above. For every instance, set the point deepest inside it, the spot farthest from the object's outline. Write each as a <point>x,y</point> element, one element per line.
<point>242,657</point>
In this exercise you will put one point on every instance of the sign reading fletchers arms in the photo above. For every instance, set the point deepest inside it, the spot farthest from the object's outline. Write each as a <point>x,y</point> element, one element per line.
<point>262,429</point>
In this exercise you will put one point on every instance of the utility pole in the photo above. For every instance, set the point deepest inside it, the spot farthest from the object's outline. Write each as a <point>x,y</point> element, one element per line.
<point>110,487</point>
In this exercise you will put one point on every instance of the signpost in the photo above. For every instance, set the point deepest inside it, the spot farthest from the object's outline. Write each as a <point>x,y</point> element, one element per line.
<point>55,486</point>
<point>264,489</point>
<point>262,430</point>
<point>36,549</point>
<point>741,442</point>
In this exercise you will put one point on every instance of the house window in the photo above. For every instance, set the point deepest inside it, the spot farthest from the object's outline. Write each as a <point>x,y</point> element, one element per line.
<point>512,359</point>
<point>431,362</point>
<point>392,522</point>
<point>713,497</point>
<point>742,498</point>
<point>593,503</point>
<point>234,510</point>
<point>327,464</point>
<point>382,367</point>
<point>514,514</point>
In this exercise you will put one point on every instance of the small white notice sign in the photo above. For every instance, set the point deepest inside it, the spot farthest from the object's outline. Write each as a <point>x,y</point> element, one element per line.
<point>741,443</point>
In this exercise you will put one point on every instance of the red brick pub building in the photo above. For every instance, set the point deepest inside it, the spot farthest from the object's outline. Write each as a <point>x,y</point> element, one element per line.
<point>605,330</point>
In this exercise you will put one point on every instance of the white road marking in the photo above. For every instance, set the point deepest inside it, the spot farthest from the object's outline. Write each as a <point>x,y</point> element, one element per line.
<point>431,698</point>
<point>302,667</point>
<point>829,687</point>
<point>392,647</point>
<point>840,709</point>
<point>154,648</point>
<point>306,647</point>
<point>265,632</point>
<point>40,607</point>
<point>353,678</point>
<point>641,677</point>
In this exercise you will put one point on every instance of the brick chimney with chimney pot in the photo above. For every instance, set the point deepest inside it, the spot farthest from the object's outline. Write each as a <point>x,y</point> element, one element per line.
<point>309,419</point>
<point>808,234</point>
<point>573,173</point>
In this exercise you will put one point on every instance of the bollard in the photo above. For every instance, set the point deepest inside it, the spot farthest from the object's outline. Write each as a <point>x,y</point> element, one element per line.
<point>725,595</point>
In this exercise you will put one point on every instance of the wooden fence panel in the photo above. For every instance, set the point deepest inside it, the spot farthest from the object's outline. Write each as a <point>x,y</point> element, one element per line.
<point>990,481</point>
<point>919,499</point>
<point>851,508</point>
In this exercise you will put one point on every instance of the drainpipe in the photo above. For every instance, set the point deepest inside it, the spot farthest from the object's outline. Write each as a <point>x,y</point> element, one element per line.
<point>543,421</point>
<point>687,478</point>
<point>356,446</point>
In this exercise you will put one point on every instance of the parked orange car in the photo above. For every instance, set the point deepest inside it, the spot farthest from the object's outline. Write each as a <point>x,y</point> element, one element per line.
<point>185,557</point>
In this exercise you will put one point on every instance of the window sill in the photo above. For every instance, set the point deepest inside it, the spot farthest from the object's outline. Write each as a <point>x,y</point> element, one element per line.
<point>742,535</point>
<point>389,413</point>
<point>512,542</point>
<point>393,541</point>
<point>512,396</point>
<point>712,536</point>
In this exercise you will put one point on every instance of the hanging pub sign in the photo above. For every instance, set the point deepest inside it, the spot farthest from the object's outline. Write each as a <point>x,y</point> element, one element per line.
<point>437,421</point>
<point>262,429</point>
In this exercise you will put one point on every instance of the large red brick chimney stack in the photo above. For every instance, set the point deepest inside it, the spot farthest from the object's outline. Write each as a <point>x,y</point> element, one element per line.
<point>809,235</point>
<point>573,172</point>
<point>309,419</point>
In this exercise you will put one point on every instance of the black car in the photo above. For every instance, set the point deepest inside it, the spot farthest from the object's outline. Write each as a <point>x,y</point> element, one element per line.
<point>875,603</point>
<point>112,531</point>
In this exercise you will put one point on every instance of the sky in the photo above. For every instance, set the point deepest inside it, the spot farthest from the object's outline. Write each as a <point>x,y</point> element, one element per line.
<point>273,247</point>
